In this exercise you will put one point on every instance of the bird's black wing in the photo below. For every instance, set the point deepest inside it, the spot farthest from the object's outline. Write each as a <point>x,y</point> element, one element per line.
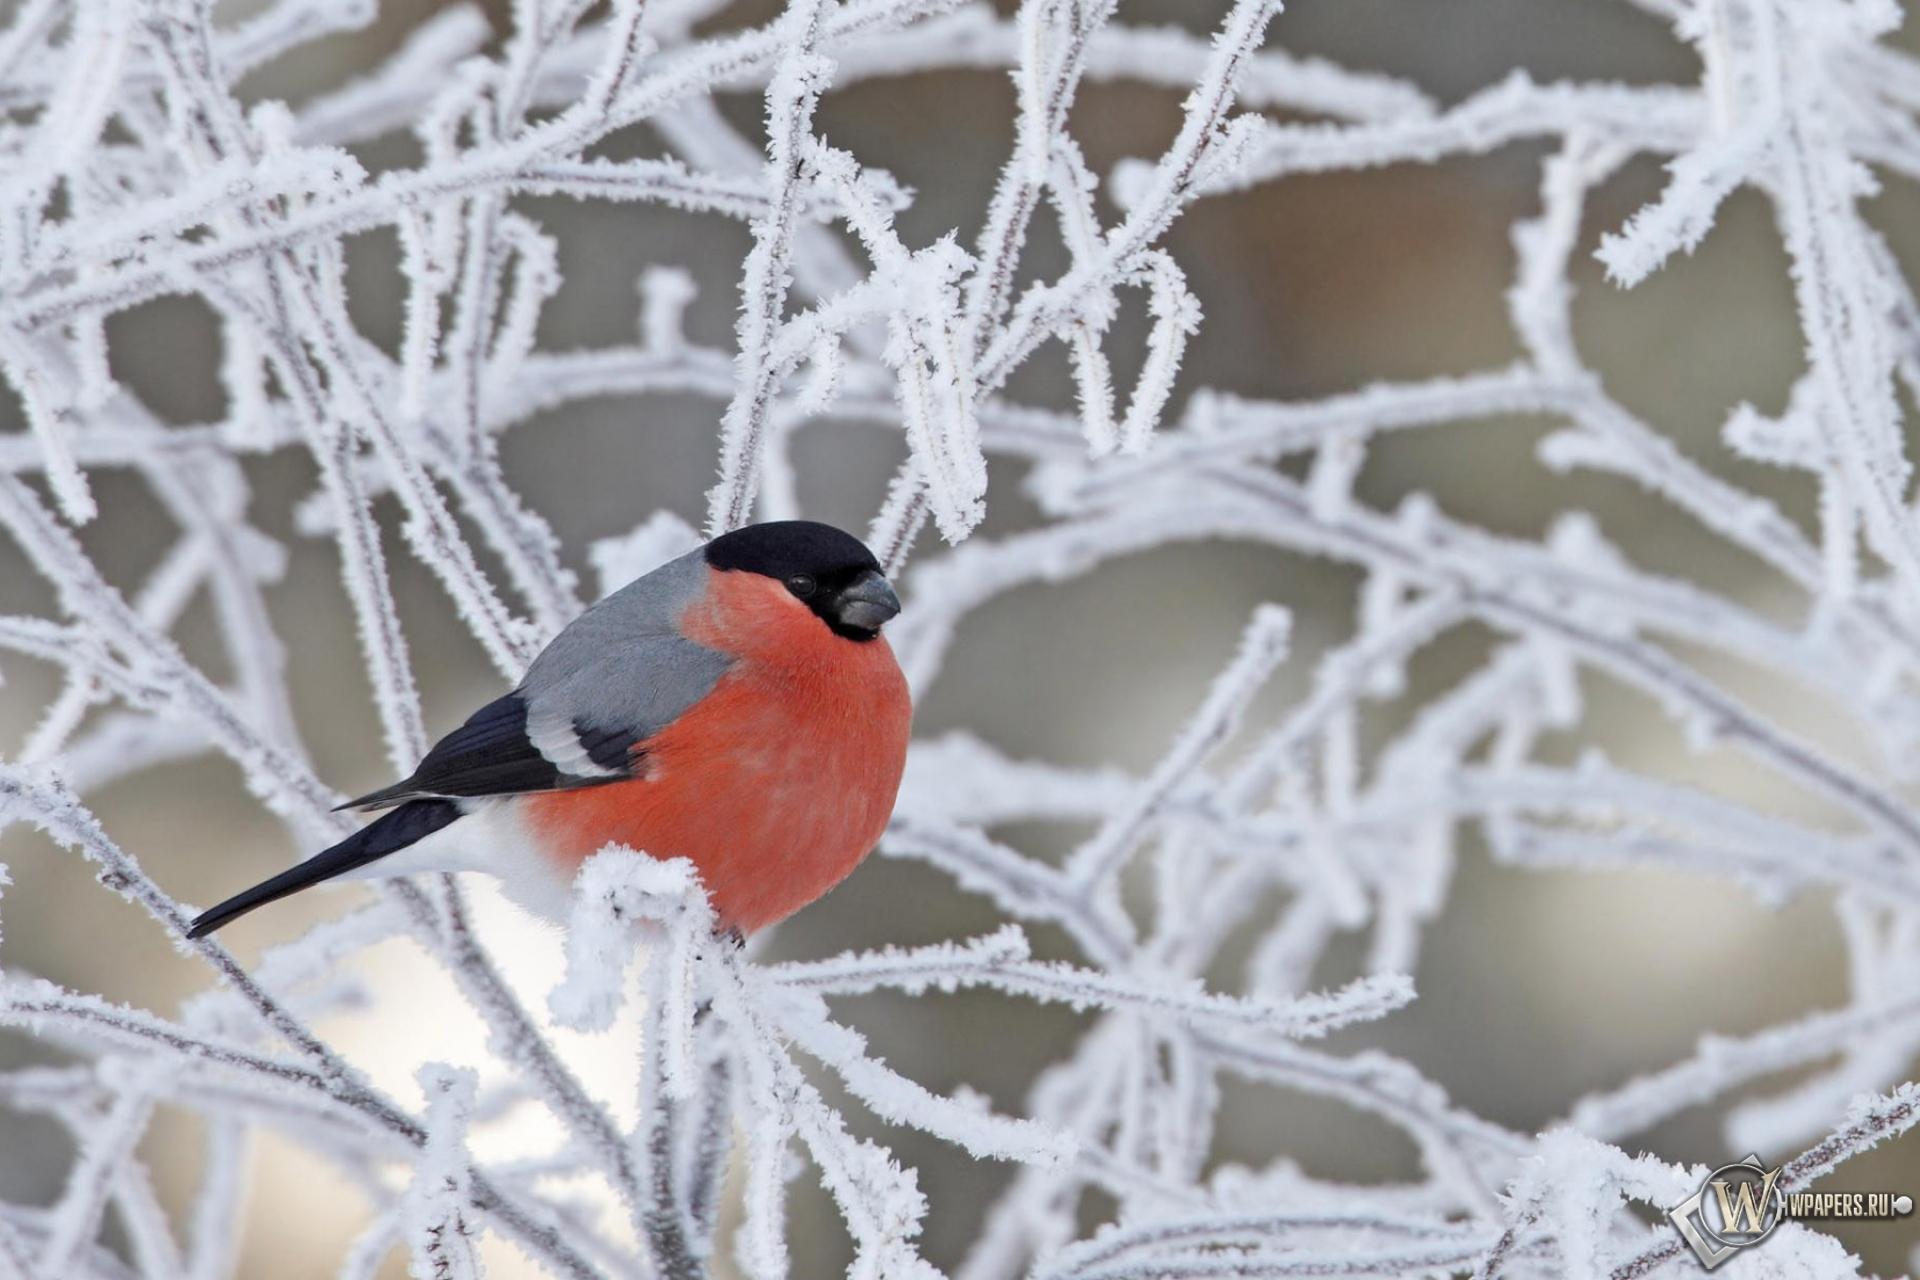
<point>493,754</point>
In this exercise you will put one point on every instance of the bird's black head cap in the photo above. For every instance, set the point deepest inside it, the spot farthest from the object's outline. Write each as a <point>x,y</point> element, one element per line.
<point>830,570</point>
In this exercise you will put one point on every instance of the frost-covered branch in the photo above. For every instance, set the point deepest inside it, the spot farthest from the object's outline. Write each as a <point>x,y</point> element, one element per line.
<point>1193,930</point>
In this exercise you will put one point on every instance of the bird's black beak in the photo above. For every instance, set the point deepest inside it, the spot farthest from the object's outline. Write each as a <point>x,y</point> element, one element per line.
<point>866,603</point>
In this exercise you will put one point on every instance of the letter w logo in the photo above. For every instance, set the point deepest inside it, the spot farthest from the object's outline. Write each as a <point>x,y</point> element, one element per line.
<point>1746,1206</point>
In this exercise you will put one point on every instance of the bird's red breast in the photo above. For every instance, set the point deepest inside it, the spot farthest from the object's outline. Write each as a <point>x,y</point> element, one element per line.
<point>778,782</point>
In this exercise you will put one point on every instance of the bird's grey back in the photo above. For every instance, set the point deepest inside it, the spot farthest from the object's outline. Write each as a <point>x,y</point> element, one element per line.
<point>624,663</point>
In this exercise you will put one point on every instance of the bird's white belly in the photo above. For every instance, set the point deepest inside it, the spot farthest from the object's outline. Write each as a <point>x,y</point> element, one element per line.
<point>489,837</point>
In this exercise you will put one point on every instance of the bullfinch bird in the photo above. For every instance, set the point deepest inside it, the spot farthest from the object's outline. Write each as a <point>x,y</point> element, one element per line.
<point>737,707</point>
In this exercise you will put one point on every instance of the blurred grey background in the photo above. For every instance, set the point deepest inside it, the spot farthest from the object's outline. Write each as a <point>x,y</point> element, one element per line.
<point>1534,988</point>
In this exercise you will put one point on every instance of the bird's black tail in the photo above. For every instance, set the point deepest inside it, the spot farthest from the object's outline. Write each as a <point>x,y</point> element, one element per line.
<point>390,832</point>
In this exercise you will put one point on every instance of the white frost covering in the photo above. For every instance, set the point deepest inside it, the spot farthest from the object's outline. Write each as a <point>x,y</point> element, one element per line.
<point>130,171</point>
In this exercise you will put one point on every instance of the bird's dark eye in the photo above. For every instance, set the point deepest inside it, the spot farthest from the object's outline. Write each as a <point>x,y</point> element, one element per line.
<point>802,585</point>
